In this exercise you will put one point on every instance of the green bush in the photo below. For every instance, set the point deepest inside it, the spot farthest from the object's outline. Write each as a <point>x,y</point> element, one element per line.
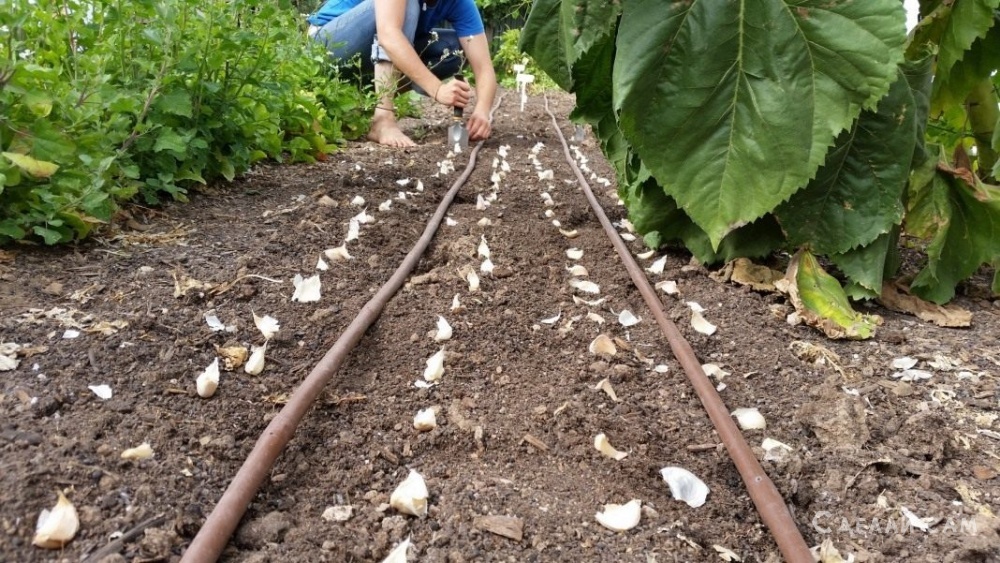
<point>102,101</point>
<point>508,53</point>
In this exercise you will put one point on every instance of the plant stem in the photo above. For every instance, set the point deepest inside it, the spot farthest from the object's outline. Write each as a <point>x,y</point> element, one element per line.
<point>981,105</point>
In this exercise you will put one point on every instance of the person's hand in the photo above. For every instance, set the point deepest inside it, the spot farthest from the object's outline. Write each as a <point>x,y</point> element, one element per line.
<point>455,93</point>
<point>479,126</point>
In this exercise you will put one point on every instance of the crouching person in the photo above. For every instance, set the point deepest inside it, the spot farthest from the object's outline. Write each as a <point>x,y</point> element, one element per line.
<point>396,39</point>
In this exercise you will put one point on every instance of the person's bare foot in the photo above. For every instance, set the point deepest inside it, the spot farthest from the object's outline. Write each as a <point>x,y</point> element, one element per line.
<point>387,132</point>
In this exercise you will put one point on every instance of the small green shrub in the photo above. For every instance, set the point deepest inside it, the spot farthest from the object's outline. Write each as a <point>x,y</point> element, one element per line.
<point>507,54</point>
<point>104,100</point>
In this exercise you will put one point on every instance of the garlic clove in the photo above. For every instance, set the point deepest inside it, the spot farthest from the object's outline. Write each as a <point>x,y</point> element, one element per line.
<point>138,453</point>
<point>307,290</point>
<point>435,366</point>
<point>103,392</point>
<point>338,254</point>
<point>594,303</point>
<point>627,319</point>
<point>712,370</point>
<point>602,445</point>
<point>321,264</point>
<point>208,380</point>
<point>486,267</point>
<point>353,230</point>
<point>750,419</point>
<point>620,517</point>
<point>473,281</point>
<point>569,233</point>
<point>267,325</point>
<point>646,255</point>
<point>657,267</point>
<point>56,527</point>
<point>456,305</point>
<point>255,365</point>
<point>685,486</point>
<point>444,330</point>
<point>425,420</point>
<point>552,320</point>
<point>410,497</point>
<point>701,325</point>
<point>358,201</point>
<point>398,555</point>
<point>605,385</point>
<point>484,249</point>
<point>668,286</point>
<point>603,345</point>
<point>577,270</point>
<point>596,318</point>
<point>385,205</point>
<point>585,286</point>
<point>574,254</point>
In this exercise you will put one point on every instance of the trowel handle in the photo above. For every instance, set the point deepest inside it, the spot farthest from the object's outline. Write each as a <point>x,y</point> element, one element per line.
<point>458,112</point>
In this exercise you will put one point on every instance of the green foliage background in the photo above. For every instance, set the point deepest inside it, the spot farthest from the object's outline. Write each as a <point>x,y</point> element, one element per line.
<point>738,128</point>
<point>149,98</point>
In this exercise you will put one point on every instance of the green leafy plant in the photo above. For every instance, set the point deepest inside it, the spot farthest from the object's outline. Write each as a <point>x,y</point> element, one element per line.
<point>741,128</point>
<point>151,98</point>
<point>508,54</point>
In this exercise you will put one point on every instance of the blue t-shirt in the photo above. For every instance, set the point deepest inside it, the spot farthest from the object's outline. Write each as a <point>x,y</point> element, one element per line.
<point>461,14</point>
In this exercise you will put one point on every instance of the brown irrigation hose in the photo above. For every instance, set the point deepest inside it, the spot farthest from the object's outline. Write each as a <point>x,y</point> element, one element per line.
<point>221,523</point>
<point>765,496</point>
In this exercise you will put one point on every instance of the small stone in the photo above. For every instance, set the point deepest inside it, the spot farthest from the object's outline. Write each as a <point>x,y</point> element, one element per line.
<point>983,473</point>
<point>270,528</point>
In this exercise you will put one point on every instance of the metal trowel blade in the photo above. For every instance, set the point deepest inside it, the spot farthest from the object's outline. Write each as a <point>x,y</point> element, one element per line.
<point>458,136</point>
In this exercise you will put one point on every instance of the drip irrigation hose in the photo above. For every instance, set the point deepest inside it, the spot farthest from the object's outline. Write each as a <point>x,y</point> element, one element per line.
<point>213,536</point>
<point>764,494</point>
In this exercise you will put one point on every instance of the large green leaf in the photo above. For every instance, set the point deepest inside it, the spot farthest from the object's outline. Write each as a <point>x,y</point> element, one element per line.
<point>592,81</point>
<point>978,63</point>
<point>541,38</point>
<point>866,267</point>
<point>584,23</point>
<point>732,104</point>
<point>857,193</point>
<point>962,223</point>
<point>968,21</point>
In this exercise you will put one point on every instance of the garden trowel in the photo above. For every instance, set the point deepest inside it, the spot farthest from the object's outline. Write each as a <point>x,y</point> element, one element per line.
<point>458,135</point>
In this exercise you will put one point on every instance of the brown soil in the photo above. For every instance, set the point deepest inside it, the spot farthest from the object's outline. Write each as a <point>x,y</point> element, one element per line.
<point>518,409</point>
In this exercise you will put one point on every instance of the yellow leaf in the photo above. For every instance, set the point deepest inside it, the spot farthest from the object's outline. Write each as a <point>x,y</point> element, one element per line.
<point>33,166</point>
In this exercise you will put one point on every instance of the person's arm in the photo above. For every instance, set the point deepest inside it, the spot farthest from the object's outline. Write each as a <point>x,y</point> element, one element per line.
<point>477,52</point>
<point>389,16</point>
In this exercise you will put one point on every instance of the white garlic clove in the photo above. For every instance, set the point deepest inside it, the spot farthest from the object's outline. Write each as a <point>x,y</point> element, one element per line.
<point>321,264</point>
<point>569,234</point>
<point>627,319</point>
<point>267,325</point>
<point>750,419</point>
<point>208,380</point>
<point>594,303</point>
<point>307,290</point>
<point>140,452</point>
<point>385,205</point>
<point>255,365</point>
<point>552,320</point>
<point>713,370</point>
<point>435,366</point>
<point>549,213</point>
<point>701,325</point>
<point>481,204</point>
<point>484,249</point>
<point>398,555</point>
<point>410,497</point>
<point>103,392</point>
<point>338,254</point>
<point>484,222</point>
<point>657,267</point>
<point>605,385</point>
<point>358,201</point>
<point>353,230</point>
<point>444,330</point>
<point>603,345</point>
<point>473,281</point>
<point>363,217</point>
<point>646,255</point>
<point>425,420</point>
<point>668,286</point>
<point>620,517</point>
<point>56,527</point>
<point>596,318</point>
<point>577,270</point>
<point>574,254</point>
<point>486,267</point>
<point>456,305</point>
<point>602,445</point>
<point>585,286</point>
<point>685,486</point>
